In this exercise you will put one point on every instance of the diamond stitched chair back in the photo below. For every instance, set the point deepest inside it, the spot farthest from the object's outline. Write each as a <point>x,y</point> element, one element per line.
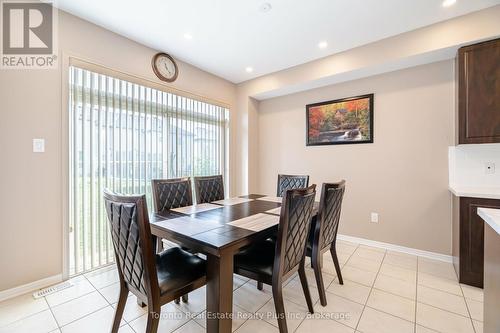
<point>324,235</point>
<point>156,279</point>
<point>171,193</point>
<point>208,189</point>
<point>288,182</point>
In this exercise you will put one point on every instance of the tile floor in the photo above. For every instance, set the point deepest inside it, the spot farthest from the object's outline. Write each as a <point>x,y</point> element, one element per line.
<point>383,291</point>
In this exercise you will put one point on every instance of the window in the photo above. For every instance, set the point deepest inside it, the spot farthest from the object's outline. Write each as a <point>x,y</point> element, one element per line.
<point>122,135</point>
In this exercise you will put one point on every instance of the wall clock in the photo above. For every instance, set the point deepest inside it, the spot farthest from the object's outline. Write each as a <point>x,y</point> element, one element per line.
<point>164,67</point>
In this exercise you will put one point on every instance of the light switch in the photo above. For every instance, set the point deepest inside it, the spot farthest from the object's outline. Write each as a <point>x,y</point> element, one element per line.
<point>374,217</point>
<point>38,145</point>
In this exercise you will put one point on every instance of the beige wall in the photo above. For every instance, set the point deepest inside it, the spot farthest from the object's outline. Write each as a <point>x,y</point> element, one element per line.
<point>403,175</point>
<point>31,192</point>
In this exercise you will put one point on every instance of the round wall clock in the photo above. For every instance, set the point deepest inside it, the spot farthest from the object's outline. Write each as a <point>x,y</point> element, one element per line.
<point>165,67</point>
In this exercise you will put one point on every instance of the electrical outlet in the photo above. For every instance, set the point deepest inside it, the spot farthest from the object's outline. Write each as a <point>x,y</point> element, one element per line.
<point>38,145</point>
<point>489,168</point>
<point>374,217</point>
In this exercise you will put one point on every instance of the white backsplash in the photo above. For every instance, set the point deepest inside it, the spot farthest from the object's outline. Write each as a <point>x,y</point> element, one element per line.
<point>467,165</point>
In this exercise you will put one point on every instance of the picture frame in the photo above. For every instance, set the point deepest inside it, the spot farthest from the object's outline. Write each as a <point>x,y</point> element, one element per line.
<point>340,121</point>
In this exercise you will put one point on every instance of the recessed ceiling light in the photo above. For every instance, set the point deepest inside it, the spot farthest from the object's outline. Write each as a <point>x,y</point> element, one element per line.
<point>249,69</point>
<point>322,45</point>
<point>448,3</point>
<point>188,36</point>
<point>265,7</point>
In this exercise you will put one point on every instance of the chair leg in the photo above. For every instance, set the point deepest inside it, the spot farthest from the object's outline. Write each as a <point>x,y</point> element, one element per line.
<point>260,285</point>
<point>177,301</point>
<point>280,307</point>
<point>185,298</point>
<point>153,319</point>
<point>319,282</point>
<point>333,251</point>
<point>122,300</point>
<point>305,287</point>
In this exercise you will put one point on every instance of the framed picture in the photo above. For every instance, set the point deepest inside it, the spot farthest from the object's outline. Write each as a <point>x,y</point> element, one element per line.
<point>341,121</point>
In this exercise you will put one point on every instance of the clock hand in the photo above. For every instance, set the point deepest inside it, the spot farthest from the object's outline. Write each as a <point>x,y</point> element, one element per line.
<point>166,67</point>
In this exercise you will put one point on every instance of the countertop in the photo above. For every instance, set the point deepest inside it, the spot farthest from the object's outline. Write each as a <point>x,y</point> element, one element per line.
<point>490,216</point>
<point>475,192</point>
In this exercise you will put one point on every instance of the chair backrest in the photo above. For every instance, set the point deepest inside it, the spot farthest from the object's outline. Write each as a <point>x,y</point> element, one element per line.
<point>132,241</point>
<point>171,193</point>
<point>330,204</point>
<point>290,182</point>
<point>293,230</point>
<point>208,189</point>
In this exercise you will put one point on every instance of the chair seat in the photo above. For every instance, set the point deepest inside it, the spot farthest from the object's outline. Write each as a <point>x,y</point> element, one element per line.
<point>177,269</point>
<point>258,258</point>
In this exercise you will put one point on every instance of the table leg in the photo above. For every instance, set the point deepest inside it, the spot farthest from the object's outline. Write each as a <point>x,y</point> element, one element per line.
<point>219,293</point>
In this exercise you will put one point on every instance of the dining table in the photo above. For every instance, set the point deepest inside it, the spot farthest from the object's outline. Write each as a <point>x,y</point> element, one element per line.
<point>219,230</point>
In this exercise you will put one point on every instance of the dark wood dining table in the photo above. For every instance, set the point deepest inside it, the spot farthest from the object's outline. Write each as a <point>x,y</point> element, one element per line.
<point>209,233</point>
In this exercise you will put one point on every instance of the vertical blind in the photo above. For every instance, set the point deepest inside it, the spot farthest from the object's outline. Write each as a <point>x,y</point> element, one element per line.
<point>122,135</point>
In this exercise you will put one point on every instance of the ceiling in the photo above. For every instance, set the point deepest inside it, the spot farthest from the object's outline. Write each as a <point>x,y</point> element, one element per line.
<point>227,36</point>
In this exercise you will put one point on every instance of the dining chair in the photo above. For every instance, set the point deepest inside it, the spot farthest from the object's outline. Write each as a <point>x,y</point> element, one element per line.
<point>209,188</point>
<point>155,279</point>
<point>274,261</point>
<point>323,235</point>
<point>169,194</point>
<point>288,182</point>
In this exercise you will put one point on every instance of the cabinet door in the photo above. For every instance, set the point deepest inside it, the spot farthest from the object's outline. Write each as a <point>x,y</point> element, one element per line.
<point>479,93</point>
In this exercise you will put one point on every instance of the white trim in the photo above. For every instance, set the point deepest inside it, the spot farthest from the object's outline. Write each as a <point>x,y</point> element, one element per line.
<point>30,287</point>
<point>397,248</point>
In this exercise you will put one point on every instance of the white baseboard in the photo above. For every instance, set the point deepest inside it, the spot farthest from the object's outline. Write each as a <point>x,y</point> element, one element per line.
<point>397,248</point>
<point>30,287</point>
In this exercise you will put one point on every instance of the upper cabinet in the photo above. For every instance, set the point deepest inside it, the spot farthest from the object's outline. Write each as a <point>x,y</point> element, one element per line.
<point>479,93</point>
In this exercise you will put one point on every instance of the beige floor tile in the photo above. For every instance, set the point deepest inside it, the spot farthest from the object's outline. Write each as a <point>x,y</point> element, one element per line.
<point>398,272</point>
<point>239,317</point>
<point>81,286</point>
<point>436,267</point>
<point>111,292</point>
<point>359,275</point>
<point>369,253</point>
<point>322,326</point>
<point>474,293</point>
<point>395,305</point>
<point>374,321</point>
<point>249,298</point>
<point>436,282</point>
<point>329,267</point>
<point>103,278</point>
<point>363,263</point>
<point>351,290</point>
<point>132,310</point>
<point>421,329</point>
<point>20,307</point>
<point>442,300</point>
<point>196,301</point>
<point>344,311</point>
<point>403,260</point>
<point>78,308</point>
<point>478,326</point>
<point>238,282</point>
<point>293,292</point>
<point>442,321</point>
<point>311,278</point>
<point>396,286</point>
<point>372,248</point>
<point>190,327</point>
<point>257,326</point>
<point>475,309</point>
<point>346,246</point>
<point>41,322</point>
<point>294,312</point>
<point>99,321</point>
<point>171,319</point>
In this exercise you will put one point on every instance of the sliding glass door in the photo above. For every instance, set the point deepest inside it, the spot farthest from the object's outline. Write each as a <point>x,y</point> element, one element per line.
<point>122,135</point>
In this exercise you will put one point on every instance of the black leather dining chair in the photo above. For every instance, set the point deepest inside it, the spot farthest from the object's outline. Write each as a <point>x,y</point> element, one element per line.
<point>273,262</point>
<point>323,235</point>
<point>289,182</point>
<point>169,194</point>
<point>209,188</point>
<point>155,279</point>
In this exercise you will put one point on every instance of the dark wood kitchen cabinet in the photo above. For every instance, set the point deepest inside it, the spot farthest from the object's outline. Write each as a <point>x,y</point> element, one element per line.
<point>478,70</point>
<point>468,239</point>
